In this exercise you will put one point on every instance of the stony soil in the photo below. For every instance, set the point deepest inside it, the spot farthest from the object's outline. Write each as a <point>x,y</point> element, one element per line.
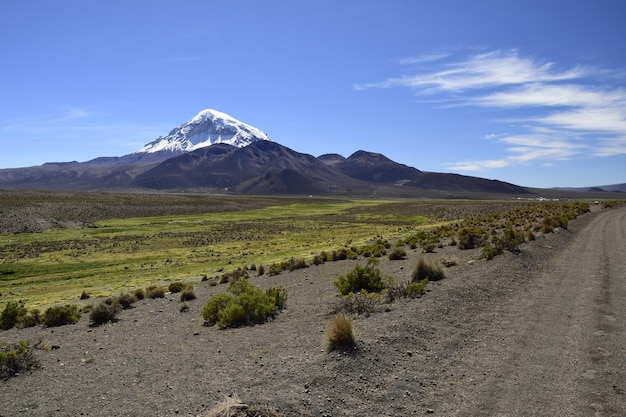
<point>537,333</point>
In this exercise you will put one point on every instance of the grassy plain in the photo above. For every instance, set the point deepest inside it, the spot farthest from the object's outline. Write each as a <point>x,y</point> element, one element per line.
<point>117,243</point>
<point>57,265</point>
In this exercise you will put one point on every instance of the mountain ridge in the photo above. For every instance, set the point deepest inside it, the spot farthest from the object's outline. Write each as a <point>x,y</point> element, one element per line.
<point>214,152</point>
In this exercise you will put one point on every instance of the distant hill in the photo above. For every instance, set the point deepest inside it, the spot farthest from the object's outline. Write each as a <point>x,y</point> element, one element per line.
<point>371,167</point>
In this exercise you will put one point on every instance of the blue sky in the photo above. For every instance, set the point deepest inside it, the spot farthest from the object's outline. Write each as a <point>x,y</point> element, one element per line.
<point>530,92</point>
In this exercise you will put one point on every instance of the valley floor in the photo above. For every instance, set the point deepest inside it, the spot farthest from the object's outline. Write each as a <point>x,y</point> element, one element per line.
<point>539,333</point>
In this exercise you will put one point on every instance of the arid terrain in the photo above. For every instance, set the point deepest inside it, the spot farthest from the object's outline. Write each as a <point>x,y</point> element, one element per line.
<point>537,333</point>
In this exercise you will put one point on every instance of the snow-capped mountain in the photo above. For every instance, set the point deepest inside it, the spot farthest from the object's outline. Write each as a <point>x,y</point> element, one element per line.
<point>208,127</point>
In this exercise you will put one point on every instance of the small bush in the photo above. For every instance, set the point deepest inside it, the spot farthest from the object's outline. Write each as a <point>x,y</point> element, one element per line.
<point>368,278</point>
<point>246,304</point>
<point>126,300</point>
<point>415,289</point>
<point>12,312</point>
<point>425,269</point>
<point>139,294</point>
<point>214,305</point>
<point>260,270</point>
<point>154,292</point>
<point>187,294</point>
<point>428,247</point>
<point>17,358</point>
<point>176,287</point>
<point>491,251</point>
<point>397,254</point>
<point>278,296</point>
<point>84,295</point>
<point>340,335</point>
<point>184,308</point>
<point>233,276</point>
<point>299,263</point>
<point>448,262</point>
<point>512,239</point>
<point>61,315</point>
<point>470,237</point>
<point>362,302</point>
<point>320,258</point>
<point>104,313</point>
<point>30,319</point>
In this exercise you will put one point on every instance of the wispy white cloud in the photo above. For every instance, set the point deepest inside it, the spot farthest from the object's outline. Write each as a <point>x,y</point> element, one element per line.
<point>487,70</point>
<point>423,58</point>
<point>568,115</point>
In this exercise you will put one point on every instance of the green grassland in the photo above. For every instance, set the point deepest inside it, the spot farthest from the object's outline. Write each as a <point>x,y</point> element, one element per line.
<point>126,241</point>
<point>57,265</point>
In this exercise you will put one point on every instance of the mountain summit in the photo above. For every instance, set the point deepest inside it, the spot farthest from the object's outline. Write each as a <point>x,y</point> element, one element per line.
<point>208,127</point>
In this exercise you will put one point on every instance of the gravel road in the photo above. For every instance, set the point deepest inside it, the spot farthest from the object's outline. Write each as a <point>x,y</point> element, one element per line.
<point>559,348</point>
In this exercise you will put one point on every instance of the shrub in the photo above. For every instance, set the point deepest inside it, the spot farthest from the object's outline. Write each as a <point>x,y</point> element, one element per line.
<point>278,295</point>
<point>512,239</point>
<point>447,262</point>
<point>340,335</point>
<point>184,307</point>
<point>299,263</point>
<point>139,294</point>
<point>362,302</point>
<point>320,258</point>
<point>17,358</point>
<point>61,315</point>
<point>470,237</point>
<point>125,300</point>
<point>84,295</point>
<point>154,292</point>
<point>30,319</point>
<point>11,313</point>
<point>415,289</point>
<point>491,251</point>
<point>246,304</point>
<point>233,276</point>
<point>214,305</point>
<point>428,247</point>
<point>187,294</point>
<point>275,269</point>
<point>397,254</point>
<point>260,270</point>
<point>425,269</point>
<point>368,278</point>
<point>104,313</point>
<point>176,287</point>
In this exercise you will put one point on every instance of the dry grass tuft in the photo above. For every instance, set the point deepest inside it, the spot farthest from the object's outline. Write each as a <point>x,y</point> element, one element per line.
<point>340,335</point>
<point>233,407</point>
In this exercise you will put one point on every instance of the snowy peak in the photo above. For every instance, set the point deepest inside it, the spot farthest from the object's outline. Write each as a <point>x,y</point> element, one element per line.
<point>206,128</point>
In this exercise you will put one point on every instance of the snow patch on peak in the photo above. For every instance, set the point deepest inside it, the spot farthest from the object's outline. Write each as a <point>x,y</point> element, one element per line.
<point>206,128</point>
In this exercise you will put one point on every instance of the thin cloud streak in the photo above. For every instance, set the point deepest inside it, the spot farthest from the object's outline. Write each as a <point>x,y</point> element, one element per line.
<point>573,118</point>
<point>488,70</point>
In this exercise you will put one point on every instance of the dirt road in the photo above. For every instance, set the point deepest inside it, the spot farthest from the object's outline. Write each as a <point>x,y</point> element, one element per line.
<point>559,347</point>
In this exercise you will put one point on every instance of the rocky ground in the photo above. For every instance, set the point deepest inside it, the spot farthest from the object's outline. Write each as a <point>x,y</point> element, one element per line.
<point>540,332</point>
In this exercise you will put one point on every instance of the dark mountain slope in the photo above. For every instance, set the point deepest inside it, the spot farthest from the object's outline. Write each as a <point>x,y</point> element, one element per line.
<point>256,168</point>
<point>372,167</point>
<point>461,183</point>
<point>100,174</point>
